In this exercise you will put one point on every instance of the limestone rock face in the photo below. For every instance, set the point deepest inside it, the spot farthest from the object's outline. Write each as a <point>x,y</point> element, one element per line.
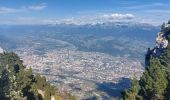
<point>161,41</point>
<point>1,50</point>
<point>167,25</point>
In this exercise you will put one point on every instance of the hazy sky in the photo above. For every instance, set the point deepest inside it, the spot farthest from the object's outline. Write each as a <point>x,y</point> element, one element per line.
<point>83,11</point>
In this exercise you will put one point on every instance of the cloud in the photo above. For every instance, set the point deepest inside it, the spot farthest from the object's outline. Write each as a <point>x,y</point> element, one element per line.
<point>24,21</point>
<point>40,6</point>
<point>8,10</point>
<point>157,11</point>
<point>116,16</point>
<point>113,17</point>
<point>147,6</point>
<point>83,20</point>
<point>97,19</point>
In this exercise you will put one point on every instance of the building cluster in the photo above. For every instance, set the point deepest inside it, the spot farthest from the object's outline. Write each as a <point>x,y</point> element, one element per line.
<point>80,70</point>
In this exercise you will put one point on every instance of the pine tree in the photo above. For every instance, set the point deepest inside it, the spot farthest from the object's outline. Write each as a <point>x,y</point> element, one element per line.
<point>132,93</point>
<point>18,83</point>
<point>154,81</point>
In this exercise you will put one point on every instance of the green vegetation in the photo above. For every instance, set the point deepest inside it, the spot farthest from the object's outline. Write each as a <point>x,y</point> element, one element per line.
<point>155,82</point>
<point>18,83</point>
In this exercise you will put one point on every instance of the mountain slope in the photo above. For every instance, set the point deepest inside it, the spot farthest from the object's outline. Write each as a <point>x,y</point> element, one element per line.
<point>155,82</point>
<point>18,83</point>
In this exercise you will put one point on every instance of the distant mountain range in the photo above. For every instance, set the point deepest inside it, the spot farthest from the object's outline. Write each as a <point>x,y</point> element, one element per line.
<point>116,38</point>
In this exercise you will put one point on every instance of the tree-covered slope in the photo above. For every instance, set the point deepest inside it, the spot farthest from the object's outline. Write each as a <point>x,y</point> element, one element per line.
<point>19,83</point>
<point>155,82</point>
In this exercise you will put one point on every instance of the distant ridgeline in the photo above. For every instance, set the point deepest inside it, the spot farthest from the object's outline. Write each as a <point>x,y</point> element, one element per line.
<point>18,83</point>
<point>155,82</point>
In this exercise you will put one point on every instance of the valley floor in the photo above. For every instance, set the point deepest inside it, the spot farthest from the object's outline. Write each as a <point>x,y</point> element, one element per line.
<point>85,74</point>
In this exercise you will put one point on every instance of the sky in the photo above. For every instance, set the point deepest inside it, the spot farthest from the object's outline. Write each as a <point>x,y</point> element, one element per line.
<point>154,12</point>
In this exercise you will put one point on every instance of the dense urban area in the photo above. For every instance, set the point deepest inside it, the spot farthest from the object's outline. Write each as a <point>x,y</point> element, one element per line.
<point>79,71</point>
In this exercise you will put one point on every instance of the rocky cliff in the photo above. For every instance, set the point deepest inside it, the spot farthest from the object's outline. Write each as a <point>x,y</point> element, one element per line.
<point>155,81</point>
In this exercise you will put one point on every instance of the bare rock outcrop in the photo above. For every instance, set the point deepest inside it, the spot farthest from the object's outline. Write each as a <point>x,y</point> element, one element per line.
<point>1,50</point>
<point>161,41</point>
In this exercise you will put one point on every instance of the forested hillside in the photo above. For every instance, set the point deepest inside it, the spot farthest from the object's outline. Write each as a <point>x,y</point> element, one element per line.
<point>19,83</point>
<point>155,82</point>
